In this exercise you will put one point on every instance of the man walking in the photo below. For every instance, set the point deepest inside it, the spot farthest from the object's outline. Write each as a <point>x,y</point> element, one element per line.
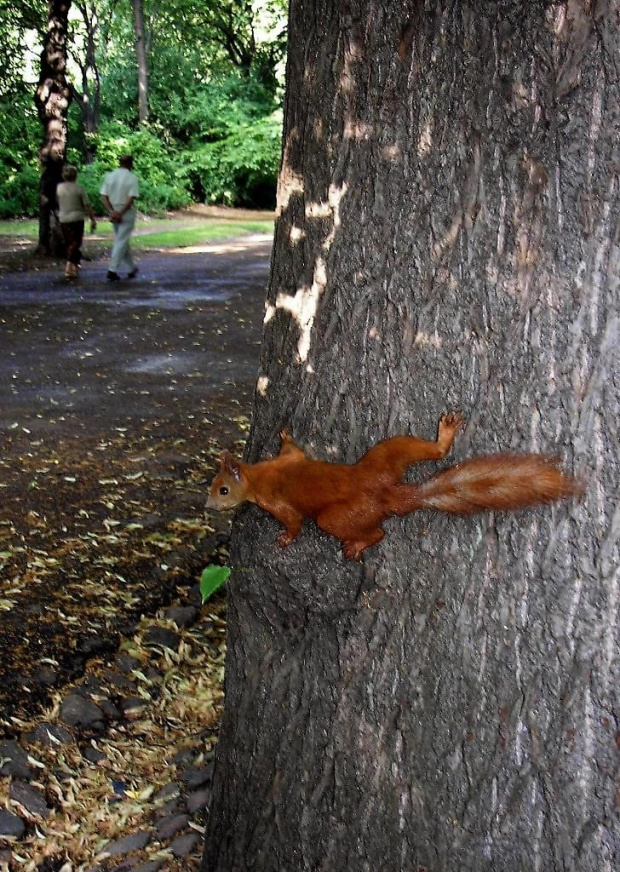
<point>119,192</point>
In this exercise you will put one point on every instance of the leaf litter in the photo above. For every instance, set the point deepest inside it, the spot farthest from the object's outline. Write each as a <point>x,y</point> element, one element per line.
<point>107,533</point>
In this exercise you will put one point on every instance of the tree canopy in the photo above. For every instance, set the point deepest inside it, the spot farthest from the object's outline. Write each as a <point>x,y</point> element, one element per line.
<point>213,89</point>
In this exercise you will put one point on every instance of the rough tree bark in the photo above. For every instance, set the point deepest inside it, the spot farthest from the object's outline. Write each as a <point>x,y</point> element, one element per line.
<point>447,239</point>
<point>141,57</point>
<point>52,99</point>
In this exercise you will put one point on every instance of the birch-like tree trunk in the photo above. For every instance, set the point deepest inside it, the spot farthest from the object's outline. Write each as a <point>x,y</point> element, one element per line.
<point>141,57</point>
<point>447,238</point>
<point>89,98</point>
<point>52,99</point>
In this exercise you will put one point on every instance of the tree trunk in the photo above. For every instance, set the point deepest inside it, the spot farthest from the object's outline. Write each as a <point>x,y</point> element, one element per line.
<point>90,98</point>
<point>52,98</point>
<point>447,239</point>
<point>143,71</point>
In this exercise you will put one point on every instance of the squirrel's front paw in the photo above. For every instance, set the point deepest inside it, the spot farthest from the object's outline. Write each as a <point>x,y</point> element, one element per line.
<point>285,539</point>
<point>451,422</point>
<point>353,550</point>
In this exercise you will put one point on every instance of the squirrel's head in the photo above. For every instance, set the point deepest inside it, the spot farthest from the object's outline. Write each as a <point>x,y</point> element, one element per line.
<point>229,488</point>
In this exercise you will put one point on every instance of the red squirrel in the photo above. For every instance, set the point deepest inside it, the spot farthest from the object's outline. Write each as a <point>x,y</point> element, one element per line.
<point>350,501</point>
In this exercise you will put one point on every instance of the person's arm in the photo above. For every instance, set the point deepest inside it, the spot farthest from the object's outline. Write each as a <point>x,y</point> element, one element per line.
<point>108,207</point>
<point>126,207</point>
<point>117,215</point>
<point>89,210</point>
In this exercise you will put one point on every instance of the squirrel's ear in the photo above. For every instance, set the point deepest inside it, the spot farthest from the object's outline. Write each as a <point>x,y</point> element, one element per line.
<point>230,465</point>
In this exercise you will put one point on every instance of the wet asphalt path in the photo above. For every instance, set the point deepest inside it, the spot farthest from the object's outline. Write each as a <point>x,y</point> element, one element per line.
<point>93,354</point>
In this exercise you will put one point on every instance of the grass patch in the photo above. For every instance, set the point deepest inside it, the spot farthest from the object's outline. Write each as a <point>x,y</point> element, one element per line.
<point>157,233</point>
<point>20,227</point>
<point>185,236</point>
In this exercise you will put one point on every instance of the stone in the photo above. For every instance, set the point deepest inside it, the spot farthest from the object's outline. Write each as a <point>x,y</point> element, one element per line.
<point>133,706</point>
<point>187,755</point>
<point>92,645</point>
<point>184,845</point>
<point>135,842</point>
<point>170,791</point>
<point>31,798</point>
<point>92,686</point>
<point>197,801</point>
<point>129,863</point>
<point>46,676</point>
<point>196,776</point>
<point>94,755</point>
<point>183,616</point>
<point>119,681</point>
<point>77,711</point>
<point>169,826</point>
<point>194,596</point>
<point>127,663</point>
<point>173,806</point>
<point>11,825</point>
<point>151,866</point>
<point>15,761</point>
<point>50,734</point>
<point>162,637</point>
<point>111,712</point>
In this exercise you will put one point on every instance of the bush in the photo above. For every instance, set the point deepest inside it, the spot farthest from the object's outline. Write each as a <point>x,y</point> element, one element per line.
<point>233,159</point>
<point>164,183</point>
<point>19,192</point>
<point>20,138</point>
<point>240,169</point>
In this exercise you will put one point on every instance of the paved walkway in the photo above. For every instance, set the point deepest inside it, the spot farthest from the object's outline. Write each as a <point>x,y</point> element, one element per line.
<point>115,400</point>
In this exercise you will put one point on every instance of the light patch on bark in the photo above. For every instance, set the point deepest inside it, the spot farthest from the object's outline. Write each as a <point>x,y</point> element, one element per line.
<point>296,235</point>
<point>609,631</point>
<point>356,130</point>
<point>426,340</point>
<point>425,141</point>
<point>302,307</point>
<point>270,311</point>
<point>289,183</point>
<point>392,152</point>
<point>262,385</point>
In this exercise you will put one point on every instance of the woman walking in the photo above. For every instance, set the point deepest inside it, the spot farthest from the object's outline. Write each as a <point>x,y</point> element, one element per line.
<point>73,205</point>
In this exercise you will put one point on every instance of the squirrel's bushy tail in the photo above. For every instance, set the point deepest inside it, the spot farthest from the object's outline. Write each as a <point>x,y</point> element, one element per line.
<point>497,481</point>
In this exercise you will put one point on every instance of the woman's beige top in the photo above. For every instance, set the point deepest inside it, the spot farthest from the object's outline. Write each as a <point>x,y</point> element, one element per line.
<point>72,202</point>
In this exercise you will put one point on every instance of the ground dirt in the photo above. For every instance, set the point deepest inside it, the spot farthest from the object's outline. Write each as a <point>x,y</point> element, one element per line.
<point>115,400</point>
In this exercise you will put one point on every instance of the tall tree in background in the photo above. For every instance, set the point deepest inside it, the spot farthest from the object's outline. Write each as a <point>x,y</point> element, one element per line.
<point>447,239</point>
<point>142,59</point>
<point>52,98</point>
<point>88,97</point>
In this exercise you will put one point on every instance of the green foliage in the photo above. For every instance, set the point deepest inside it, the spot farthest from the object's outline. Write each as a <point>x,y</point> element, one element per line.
<point>20,134</point>
<point>163,179</point>
<point>212,579</point>
<point>215,81</point>
<point>241,168</point>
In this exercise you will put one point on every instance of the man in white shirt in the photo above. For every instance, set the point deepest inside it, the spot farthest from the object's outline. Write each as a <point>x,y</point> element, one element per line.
<point>119,192</point>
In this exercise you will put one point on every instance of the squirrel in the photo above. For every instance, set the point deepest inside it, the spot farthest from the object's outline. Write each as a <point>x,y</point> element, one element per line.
<point>350,501</point>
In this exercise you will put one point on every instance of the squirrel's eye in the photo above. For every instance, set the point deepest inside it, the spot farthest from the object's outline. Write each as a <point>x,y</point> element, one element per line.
<point>223,491</point>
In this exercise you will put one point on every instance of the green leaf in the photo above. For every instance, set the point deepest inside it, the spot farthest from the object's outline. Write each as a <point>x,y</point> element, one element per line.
<point>212,578</point>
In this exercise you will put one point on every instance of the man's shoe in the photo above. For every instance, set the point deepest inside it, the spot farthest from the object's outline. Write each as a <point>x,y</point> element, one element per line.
<point>113,276</point>
<point>133,273</point>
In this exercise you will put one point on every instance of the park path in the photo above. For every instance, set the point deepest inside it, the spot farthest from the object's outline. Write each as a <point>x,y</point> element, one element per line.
<point>115,400</point>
